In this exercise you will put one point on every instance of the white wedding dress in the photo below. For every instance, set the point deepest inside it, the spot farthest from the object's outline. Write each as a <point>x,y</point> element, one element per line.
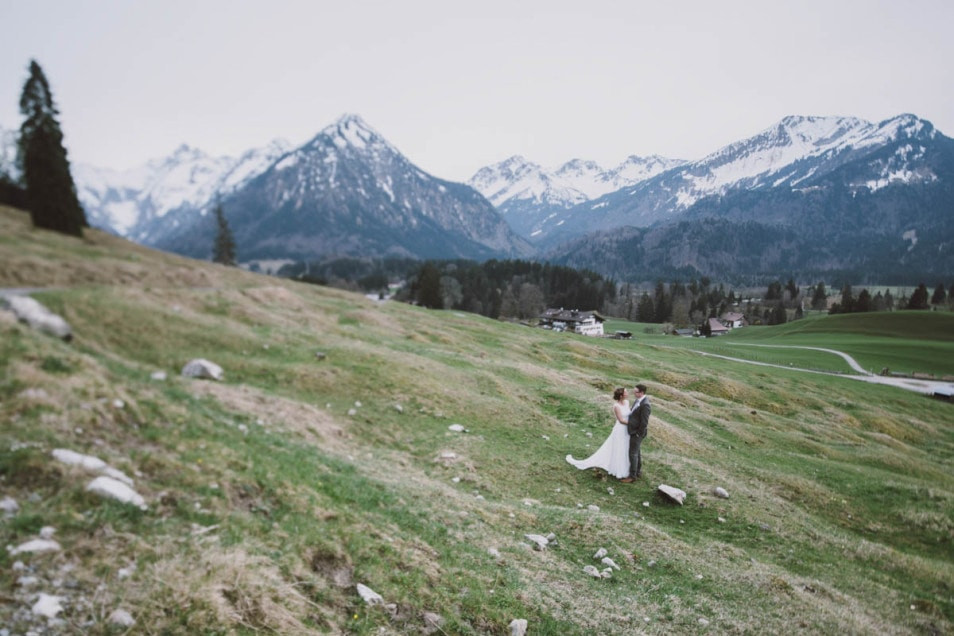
<point>613,455</point>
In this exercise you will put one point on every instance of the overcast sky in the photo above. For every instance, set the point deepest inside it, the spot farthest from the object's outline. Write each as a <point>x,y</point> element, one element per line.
<point>456,86</point>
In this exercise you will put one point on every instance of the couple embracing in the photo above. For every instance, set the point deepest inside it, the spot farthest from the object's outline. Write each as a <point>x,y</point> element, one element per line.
<point>620,453</point>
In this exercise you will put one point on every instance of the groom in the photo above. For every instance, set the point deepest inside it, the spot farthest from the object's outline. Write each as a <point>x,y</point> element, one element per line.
<point>638,427</point>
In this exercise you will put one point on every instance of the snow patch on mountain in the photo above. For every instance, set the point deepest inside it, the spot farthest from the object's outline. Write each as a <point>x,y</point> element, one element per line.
<point>574,182</point>
<point>120,200</point>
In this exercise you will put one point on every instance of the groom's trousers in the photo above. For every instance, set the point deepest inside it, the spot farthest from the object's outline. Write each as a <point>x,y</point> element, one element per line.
<point>635,458</point>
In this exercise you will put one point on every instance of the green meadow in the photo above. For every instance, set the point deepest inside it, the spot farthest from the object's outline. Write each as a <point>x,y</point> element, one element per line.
<point>324,460</point>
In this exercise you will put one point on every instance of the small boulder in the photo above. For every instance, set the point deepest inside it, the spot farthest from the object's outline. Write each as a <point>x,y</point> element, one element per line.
<point>158,376</point>
<point>539,541</point>
<point>457,428</point>
<point>609,563</point>
<point>121,618</point>
<point>9,506</point>
<point>115,489</point>
<point>48,605</point>
<point>518,627</point>
<point>721,492</point>
<point>368,595</point>
<point>600,553</point>
<point>202,368</point>
<point>34,314</point>
<point>676,495</point>
<point>592,571</point>
<point>36,545</point>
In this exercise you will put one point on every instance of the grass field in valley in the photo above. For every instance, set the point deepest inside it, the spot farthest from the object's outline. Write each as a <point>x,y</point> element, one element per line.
<point>272,494</point>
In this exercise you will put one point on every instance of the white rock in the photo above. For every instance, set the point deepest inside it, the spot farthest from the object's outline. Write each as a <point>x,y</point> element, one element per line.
<point>27,581</point>
<point>721,492</point>
<point>679,496</point>
<point>720,520</point>
<point>38,317</point>
<point>126,572</point>
<point>352,412</point>
<point>357,404</point>
<point>448,455</point>
<point>158,376</point>
<point>540,542</point>
<point>9,506</point>
<point>398,408</point>
<point>494,552</point>
<point>551,537</point>
<point>121,618</point>
<point>48,605</point>
<point>592,571</point>
<point>607,573</point>
<point>645,504</point>
<point>202,368</point>
<point>36,545</point>
<point>457,428</point>
<point>518,627</point>
<point>703,622</point>
<point>593,508</point>
<point>600,553</point>
<point>119,404</point>
<point>115,489</point>
<point>47,532</point>
<point>90,463</point>
<point>456,480</point>
<point>610,490</point>
<point>368,595</point>
<point>609,563</point>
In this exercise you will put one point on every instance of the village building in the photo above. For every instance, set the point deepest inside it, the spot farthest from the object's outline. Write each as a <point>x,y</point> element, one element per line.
<point>733,320</point>
<point>587,323</point>
<point>716,328</point>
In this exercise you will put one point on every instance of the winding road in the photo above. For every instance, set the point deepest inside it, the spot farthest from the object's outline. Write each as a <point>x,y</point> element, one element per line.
<point>926,387</point>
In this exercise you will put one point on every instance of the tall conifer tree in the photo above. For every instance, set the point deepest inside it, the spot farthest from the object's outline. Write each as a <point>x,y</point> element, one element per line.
<point>50,191</point>
<point>223,251</point>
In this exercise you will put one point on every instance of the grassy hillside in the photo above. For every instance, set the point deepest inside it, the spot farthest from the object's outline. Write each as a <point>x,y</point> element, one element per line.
<point>273,493</point>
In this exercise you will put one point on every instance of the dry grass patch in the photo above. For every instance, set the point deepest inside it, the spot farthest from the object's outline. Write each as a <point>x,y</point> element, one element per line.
<point>215,587</point>
<point>313,424</point>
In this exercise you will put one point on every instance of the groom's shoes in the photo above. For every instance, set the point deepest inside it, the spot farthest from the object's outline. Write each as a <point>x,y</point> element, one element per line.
<point>627,480</point>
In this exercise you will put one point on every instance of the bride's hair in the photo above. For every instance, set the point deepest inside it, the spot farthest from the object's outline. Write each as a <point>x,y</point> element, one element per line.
<point>618,394</point>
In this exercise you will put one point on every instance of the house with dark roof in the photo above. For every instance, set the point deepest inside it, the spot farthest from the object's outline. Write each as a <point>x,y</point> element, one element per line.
<point>587,323</point>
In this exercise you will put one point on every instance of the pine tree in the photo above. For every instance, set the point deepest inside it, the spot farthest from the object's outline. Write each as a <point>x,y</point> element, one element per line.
<point>939,295</point>
<point>919,299</point>
<point>50,191</point>
<point>819,297</point>
<point>429,287</point>
<point>223,251</point>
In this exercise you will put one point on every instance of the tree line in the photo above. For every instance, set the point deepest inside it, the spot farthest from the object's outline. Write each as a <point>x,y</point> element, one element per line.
<point>506,288</point>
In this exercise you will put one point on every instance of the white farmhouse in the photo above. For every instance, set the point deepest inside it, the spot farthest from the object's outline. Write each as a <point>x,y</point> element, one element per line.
<point>587,323</point>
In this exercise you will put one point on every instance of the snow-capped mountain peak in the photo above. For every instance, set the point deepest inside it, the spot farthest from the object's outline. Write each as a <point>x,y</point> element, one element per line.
<point>516,180</point>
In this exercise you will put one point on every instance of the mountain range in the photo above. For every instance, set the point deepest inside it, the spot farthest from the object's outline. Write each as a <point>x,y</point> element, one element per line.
<point>809,195</point>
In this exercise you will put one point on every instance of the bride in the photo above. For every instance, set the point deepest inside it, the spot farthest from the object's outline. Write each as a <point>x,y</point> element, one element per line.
<point>613,455</point>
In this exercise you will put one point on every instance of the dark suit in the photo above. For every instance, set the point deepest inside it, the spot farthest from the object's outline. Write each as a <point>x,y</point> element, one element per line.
<point>638,427</point>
